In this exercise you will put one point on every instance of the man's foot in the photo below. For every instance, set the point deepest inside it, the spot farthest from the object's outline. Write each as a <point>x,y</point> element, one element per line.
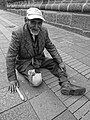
<point>69,89</point>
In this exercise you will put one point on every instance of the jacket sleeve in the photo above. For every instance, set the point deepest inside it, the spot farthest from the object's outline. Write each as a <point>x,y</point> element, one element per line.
<point>52,49</point>
<point>11,56</point>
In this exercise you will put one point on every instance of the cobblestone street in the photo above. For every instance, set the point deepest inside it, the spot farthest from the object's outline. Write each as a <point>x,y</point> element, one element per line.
<point>46,102</point>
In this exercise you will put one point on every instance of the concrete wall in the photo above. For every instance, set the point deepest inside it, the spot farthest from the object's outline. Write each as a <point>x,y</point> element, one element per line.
<point>72,15</point>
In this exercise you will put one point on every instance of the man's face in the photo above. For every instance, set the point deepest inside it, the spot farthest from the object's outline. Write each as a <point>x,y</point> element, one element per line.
<point>35,26</point>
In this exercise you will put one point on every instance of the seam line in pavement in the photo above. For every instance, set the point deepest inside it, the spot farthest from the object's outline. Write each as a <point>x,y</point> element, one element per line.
<point>76,64</point>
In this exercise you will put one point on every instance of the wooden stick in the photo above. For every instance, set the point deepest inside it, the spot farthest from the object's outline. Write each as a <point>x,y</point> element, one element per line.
<point>20,94</point>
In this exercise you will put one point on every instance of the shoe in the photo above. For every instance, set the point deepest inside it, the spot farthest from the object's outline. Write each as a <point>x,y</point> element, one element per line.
<point>70,89</point>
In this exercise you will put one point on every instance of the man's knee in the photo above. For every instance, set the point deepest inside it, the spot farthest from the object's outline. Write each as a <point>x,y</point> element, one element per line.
<point>36,82</point>
<point>34,78</point>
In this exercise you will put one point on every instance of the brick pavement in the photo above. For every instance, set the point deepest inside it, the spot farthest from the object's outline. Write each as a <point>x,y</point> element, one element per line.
<point>46,102</point>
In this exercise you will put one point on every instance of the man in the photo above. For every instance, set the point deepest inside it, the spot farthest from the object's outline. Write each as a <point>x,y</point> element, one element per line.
<point>26,53</point>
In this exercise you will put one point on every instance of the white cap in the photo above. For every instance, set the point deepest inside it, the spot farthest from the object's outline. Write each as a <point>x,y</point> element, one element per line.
<point>33,13</point>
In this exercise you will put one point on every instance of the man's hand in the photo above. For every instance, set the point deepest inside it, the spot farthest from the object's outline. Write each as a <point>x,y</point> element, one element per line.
<point>13,85</point>
<point>62,67</point>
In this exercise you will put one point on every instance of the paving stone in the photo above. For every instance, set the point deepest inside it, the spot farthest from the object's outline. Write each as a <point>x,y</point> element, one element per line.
<point>2,67</point>
<point>71,72</point>
<point>63,54</point>
<point>77,64</point>
<point>83,44</point>
<point>67,59</point>
<point>87,95</point>
<point>23,111</point>
<point>76,55</point>
<point>3,76</point>
<point>3,23</point>
<point>0,52</point>
<point>5,55</point>
<point>5,32</point>
<point>78,104</point>
<point>66,56</point>
<point>67,115</point>
<point>72,60</point>
<point>87,76</point>
<point>83,50</point>
<point>0,33</point>
<point>67,48</point>
<point>3,84</point>
<point>8,100</point>
<point>72,63</point>
<point>88,47</point>
<point>3,79</point>
<point>48,77</point>
<point>50,80</point>
<point>4,50</point>
<point>47,105</point>
<point>82,111</point>
<point>79,67</point>
<point>71,100</point>
<point>53,84</point>
<point>56,88</point>
<point>3,40</point>
<point>86,117</point>
<point>7,21</point>
<point>2,58</point>
<point>83,69</point>
<point>86,60</point>
<point>64,44</point>
<point>31,91</point>
<point>88,55</point>
<point>86,72</point>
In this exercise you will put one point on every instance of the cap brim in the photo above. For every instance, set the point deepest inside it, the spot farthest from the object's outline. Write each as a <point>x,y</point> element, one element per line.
<point>34,17</point>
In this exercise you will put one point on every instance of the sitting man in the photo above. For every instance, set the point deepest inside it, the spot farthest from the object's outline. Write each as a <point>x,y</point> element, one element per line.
<point>26,52</point>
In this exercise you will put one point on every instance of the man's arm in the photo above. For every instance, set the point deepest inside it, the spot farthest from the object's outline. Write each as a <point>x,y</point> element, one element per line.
<point>54,53</point>
<point>11,57</point>
<point>52,50</point>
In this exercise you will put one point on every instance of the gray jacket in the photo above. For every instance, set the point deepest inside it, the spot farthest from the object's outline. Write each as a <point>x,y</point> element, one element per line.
<point>20,51</point>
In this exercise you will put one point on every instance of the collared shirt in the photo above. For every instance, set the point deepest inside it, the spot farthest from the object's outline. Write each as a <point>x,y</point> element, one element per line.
<point>35,44</point>
<point>36,63</point>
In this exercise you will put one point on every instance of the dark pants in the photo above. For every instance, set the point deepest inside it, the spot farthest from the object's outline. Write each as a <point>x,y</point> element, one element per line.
<point>49,64</point>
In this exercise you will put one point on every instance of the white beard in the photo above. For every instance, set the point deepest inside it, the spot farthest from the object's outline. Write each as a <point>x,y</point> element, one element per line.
<point>34,32</point>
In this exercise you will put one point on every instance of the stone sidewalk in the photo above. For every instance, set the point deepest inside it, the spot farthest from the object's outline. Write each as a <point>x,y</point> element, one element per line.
<point>46,102</point>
